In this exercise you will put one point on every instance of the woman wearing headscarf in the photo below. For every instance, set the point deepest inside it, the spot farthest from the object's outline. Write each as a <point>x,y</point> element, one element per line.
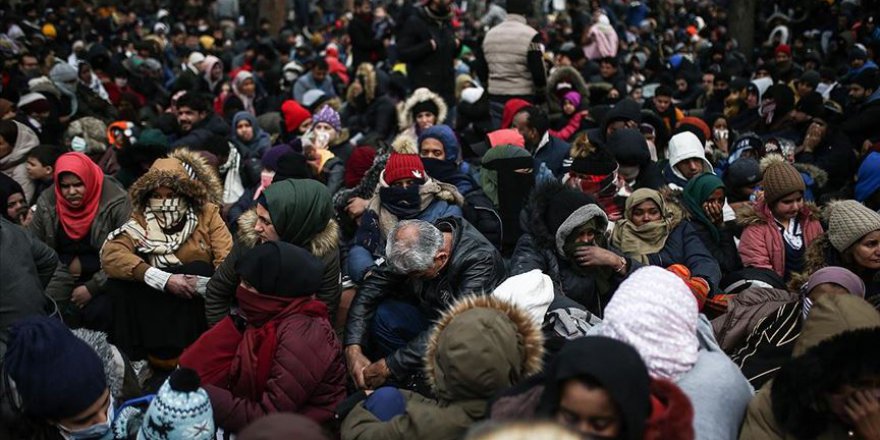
<point>79,98</point>
<point>212,71</point>
<point>704,198</point>
<point>74,217</point>
<point>158,262</point>
<point>600,387</point>
<point>244,91</point>
<point>295,211</point>
<point>12,200</point>
<point>279,352</point>
<point>251,142</point>
<point>653,232</point>
<point>16,141</point>
<point>656,313</point>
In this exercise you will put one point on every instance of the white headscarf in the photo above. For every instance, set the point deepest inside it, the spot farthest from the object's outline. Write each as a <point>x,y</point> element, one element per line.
<point>655,312</point>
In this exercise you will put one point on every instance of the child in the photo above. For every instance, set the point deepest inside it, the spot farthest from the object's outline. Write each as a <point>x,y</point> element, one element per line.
<point>571,102</point>
<point>40,167</point>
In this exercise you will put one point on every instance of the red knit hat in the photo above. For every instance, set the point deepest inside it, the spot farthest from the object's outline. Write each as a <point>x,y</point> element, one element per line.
<point>294,115</point>
<point>784,48</point>
<point>404,166</point>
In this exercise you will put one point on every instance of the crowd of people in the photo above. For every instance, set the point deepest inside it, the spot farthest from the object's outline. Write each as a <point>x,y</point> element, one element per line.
<point>441,219</point>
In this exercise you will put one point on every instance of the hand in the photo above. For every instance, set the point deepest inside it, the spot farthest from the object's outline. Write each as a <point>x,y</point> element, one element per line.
<point>433,44</point>
<point>81,296</point>
<point>181,285</point>
<point>714,211</point>
<point>864,411</point>
<point>587,256</point>
<point>26,218</point>
<point>722,144</point>
<point>814,135</point>
<point>356,207</point>
<point>357,363</point>
<point>376,374</point>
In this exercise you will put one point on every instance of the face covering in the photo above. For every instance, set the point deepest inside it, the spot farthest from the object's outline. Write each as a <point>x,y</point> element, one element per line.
<point>442,170</point>
<point>100,431</point>
<point>168,212</point>
<point>266,177</point>
<point>404,203</point>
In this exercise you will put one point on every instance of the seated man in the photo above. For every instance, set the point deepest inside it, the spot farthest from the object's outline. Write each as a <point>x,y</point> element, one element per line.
<point>428,267</point>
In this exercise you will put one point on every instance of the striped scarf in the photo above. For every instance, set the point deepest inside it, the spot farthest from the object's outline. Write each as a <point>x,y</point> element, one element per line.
<point>153,241</point>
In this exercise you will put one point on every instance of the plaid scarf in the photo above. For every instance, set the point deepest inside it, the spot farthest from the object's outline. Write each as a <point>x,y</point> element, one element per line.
<point>153,241</point>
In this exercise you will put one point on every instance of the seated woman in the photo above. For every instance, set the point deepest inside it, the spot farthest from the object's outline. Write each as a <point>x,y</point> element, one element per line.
<point>779,228</point>
<point>703,198</point>
<point>74,218</point>
<point>406,192</point>
<point>279,353</point>
<point>156,259</point>
<point>251,142</point>
<point>13,203</point>
<point>652,232</point>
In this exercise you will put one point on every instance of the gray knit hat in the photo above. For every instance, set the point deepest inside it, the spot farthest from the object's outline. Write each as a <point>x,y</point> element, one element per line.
<point>848,222</point>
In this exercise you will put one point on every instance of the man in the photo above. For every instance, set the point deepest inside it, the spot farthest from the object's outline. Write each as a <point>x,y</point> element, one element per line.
<point>428,46</point>
<point>708,81</point>
<point>687,159</point>
<point>196,123</point>
<point>514,55</point>
<point>785,70</point>
<point>609,72</point>
<point>663,106</point>
<point>822,146</point>
<point>808,83</point>
<point>533,124</point>
<point>316,79</point>
<point>28,69</point>
<point>365,48</point>
<point>859,61</point>
<point>428,267</point>
<point>864,95</point>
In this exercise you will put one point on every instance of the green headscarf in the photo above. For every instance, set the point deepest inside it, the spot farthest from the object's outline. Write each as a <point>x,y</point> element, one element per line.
<point>489,178</point>
<point>300,209</point>
<point>637,242</point>
<point>696,192</point>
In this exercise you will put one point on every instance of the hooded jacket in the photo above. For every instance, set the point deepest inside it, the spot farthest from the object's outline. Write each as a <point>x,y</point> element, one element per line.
<point>475,266</point>
<point>406,122</point>
<point>834,338</point>
<point>14,164</point>
<point>478,347</point>
<point>557,80</point>
<point>761,243</point>
<point>683,146</point>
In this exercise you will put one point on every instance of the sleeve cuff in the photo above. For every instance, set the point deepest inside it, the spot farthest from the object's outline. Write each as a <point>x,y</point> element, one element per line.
<point>156,278</point>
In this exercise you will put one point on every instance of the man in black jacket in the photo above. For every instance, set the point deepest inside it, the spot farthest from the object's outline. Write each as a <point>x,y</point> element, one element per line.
<point>196,123</point>
<point>428,267</point>
<point>428,46</point>
<point>365,47</point>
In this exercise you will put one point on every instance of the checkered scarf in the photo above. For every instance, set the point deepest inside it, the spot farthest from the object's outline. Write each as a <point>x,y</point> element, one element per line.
<point>153,241</point>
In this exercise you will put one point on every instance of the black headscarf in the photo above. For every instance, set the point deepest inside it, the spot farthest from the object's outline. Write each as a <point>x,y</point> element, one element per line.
<point>614,365</point>
<point>8,187</point>
<point>281,269</point>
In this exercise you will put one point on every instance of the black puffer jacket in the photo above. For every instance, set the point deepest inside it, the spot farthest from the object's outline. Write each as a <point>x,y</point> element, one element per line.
<point>474,267</point>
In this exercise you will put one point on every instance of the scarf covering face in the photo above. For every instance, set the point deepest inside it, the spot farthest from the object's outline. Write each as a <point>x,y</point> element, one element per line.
<point>696,192</point>
<point>391,200</point>
<point>77,221</point>
<point>603,187</point>
<point>153,241</point>
<point>300,209</point>
<point>638,242</point>
<point>449,172</point>
<point>655,312</point>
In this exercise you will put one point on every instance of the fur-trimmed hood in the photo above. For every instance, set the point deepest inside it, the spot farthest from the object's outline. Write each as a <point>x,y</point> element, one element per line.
<point>479,346</point>
<point>203,171</point>
<point>169,173</point>
<point>570,75</point>
<point>672,415</point>
<point>320,245</point>
<point>759,213</point>
<point>404,109</point>
<point>820,176</point>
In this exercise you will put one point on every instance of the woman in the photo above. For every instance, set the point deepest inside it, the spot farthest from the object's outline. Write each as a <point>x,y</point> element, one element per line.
<point>279,353</point>
<point>74,218</point>
<point>327,133</point>
<point>600,387</point>
<point>422,110</point>
<point>16,141</point>
<point>652,232</point>
<point>656,313</point>
<point>12,200</point>
<point>212,68</point>
<point>244,90</point>
<point>594,172</point>
<point>157,261</point>
<point>704,198</point>
<point>248,137</point>
<point>852,241</point>
<point>780,227</point>
<point>405,192</point>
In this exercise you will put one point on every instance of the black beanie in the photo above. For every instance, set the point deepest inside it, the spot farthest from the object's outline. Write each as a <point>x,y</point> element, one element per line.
<point>562,204</point>
<point>427,105</point>
<point>743,172</point>
<point>811,104</point>
<point>521,7</point>
<point>281,269</point>
<point>598,163</point>
<point>629,147</point>
<point>292,166</point>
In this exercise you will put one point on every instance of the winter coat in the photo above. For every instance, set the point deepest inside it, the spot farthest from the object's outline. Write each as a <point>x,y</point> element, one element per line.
<point>221,288</point>
<point>378,118</point>
<point>426,66</point>
<point>724,251</point>
<point>553,151</point>
<point>863,125</point>
<point>821,254</point>
<point>683,246</point>
<point>466,366</point>
<point>744,311</point>
<point>836,157</point>
<point>475,266</point>
<point>114,210</point>
<point>791,391</point>
<point>761,244</point>
<point>406,121</point>
<point>14,164</point>
<point>306,375</point>
<point>564,74</point>
<point>364,47</point>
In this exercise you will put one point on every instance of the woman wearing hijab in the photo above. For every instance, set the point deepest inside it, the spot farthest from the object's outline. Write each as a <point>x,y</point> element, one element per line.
<point>244,91</point>
<point>652,232</point>
<point>12,200</point>
<point>279,352</point>
<point>600,388</point>
<point>656,313</point>
<point>74,217</point>
<point>16,141</point>
<point>251,142</point>
<point>704,198</point>
<point>158,262</point>
<point>212,71</point>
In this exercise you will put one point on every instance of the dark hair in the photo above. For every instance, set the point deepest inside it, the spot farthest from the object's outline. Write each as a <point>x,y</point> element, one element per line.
<point>27,54</point>
<point>9,131</point>
<point>46,154</point>
<point>520,7</point>
<point>321,64</point>
<point>193,101</point>
<point>608,60</point>
<point>663,90</point>
<point>538,119</point>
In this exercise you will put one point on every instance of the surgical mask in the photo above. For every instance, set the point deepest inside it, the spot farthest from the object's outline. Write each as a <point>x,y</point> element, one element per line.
<point>101,431</point>
<point>78,144</point>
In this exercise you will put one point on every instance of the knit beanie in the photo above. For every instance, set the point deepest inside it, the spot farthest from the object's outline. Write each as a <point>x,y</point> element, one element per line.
<point>292,165</point>
<point>573,97</point>
<point>848,222</point>
<point>783,48</point>
<point>40,351</point>
<point>328,116</point>
<point>699,287</point>
<point>404,166</point>
<point>696,126</point>
<point>62,73</point>
<point>427,105</point>
<point>294,115</point>
<point>562,205</point>
<point>506,136</point>
<point>446,136</point>
<point>780,178</point>
<point>744,172</point>
<point>360,161</point>
<point>180,410</point>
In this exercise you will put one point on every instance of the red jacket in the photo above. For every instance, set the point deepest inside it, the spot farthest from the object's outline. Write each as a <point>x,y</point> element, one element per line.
<point>761,243</point>
<point>302,371</point>
<point>672,415</point>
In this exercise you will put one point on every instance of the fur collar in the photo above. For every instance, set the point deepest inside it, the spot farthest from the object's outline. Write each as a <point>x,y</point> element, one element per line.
<point>203,171</point>
<point>404,109</point>
<point>320,245</point>
<point>759,213</point>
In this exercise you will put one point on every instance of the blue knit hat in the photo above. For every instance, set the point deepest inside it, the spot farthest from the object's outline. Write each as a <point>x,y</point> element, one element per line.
<point>40,354</point>
<point>446,136</point>
<point>181,410</point>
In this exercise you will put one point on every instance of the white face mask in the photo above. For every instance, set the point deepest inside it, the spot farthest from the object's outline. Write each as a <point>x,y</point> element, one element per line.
<point>101,431</point>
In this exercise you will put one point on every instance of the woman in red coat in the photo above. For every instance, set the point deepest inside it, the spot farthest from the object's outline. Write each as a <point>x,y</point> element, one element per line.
<point>278,353</point>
